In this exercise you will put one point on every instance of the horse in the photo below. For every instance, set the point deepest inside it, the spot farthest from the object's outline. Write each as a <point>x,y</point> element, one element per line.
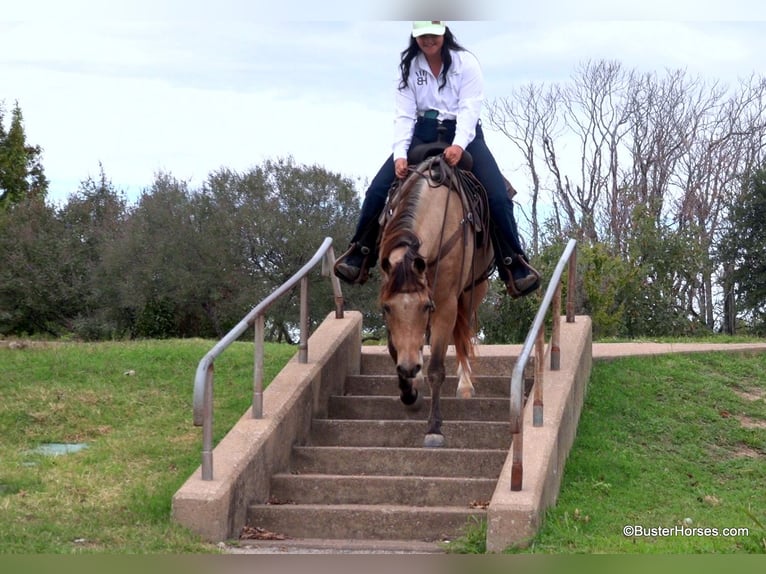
<point>436,257</point>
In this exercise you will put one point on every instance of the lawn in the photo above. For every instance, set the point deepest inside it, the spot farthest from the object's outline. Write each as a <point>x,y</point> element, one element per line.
<point>663,442</point>
<point>676,442</point>
<point>131,404</point>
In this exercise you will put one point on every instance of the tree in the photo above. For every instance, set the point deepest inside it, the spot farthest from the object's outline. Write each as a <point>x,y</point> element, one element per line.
<point>21,170</point>
<point>36,287</point>
<point>194,262</point>
<point>155,264</point>
<point>92,220</point>
<point>646,165</point>
<point>283,225</point>
<point>741,250</point>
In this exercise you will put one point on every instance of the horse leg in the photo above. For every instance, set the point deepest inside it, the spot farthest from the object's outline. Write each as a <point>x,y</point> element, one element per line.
<point>469,301</point>
<point>434,437</point>
<point>465,388</point>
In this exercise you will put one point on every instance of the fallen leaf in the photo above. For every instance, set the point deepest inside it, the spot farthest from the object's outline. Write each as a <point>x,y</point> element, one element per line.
<point>257,533</point>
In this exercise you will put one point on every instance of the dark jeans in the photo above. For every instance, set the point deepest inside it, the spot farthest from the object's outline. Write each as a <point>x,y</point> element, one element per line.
<point>484,168</point>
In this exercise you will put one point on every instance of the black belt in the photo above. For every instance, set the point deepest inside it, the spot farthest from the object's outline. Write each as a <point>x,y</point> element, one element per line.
<point>428,119</point>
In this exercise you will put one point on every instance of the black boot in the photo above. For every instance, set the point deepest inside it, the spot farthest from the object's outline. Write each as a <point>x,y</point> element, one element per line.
<point>519,276</point>
<point>354,265</point>
<point>350,266</point>
<point>524,279</point>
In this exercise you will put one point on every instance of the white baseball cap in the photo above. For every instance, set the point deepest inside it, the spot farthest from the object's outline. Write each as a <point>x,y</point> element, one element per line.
<point>435,27</point>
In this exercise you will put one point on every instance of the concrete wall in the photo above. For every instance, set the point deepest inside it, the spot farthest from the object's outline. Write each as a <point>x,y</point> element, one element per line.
<point>513,518</point>
<point>255,449</point>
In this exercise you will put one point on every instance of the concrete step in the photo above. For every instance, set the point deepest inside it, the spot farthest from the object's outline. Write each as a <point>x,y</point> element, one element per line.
<point>388,385</point>
<point>490,360</point>
<point>391,408</point>
<point>335,546</point>
<point>404,490</point>
<point>392,433</point>
<point>360,521</point>
<point>444,462</point>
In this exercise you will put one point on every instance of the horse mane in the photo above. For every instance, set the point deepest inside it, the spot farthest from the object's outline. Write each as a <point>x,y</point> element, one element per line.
<point>399,233</point>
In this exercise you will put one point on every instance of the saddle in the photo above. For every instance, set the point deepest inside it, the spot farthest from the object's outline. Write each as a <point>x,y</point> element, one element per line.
<point>459,179</point>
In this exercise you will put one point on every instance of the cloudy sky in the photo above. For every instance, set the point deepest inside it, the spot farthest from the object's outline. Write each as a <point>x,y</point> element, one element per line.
<point>187,87</point>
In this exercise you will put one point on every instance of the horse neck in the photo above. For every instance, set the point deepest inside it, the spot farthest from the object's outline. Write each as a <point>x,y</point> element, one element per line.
<point>426,216</point>
<point>437,216</point>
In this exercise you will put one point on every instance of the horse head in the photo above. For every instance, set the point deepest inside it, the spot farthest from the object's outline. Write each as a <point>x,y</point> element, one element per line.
<point>406,303</point>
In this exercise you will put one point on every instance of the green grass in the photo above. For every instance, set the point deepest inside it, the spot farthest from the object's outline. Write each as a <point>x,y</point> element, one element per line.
<point>114,496</point>
<point>662,440</point>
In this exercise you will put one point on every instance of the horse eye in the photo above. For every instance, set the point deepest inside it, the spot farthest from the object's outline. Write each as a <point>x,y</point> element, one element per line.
<point>428,307</point>
<point>386,309</point>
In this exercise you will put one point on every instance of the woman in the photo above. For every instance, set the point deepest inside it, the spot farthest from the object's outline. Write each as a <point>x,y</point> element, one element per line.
<point>441,85</point>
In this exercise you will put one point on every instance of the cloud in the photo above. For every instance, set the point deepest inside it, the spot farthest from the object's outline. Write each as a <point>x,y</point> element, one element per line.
<point>186,89</point>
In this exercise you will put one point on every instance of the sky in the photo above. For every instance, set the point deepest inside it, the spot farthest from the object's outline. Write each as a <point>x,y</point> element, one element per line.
<point>187,87</point>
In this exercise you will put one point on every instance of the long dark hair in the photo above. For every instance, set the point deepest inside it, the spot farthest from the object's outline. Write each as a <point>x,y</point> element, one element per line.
<point>450,43</point>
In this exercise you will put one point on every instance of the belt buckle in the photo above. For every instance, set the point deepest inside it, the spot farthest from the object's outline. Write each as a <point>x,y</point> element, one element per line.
<point>431,114</point>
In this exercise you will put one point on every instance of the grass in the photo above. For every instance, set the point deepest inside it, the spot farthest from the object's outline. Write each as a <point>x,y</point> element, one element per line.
<point>660,440</point>
<point>115,495</point>
<point>665,442</point>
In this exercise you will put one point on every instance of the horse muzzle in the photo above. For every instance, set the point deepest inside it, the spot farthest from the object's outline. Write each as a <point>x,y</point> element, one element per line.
<point>408,371</point>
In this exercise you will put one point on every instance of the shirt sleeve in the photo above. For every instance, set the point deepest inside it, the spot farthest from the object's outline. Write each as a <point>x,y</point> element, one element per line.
<point>470,99</point>
<point>404,119</point>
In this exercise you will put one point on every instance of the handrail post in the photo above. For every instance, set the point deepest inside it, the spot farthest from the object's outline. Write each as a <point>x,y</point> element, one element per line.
<point>556,331</point>
<point>329,263</point>
<point>571,280</point>
<point>537,405</point>
<point>517,467</point>
<point>259,327</point>
<point>303,346</point>
<point>207,426</point>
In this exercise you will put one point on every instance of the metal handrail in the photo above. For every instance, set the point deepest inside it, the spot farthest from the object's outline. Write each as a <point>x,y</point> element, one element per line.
<point>203,380</point>
<point>536,338</point>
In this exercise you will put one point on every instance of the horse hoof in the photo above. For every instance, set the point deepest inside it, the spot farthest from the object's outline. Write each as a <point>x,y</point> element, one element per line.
<point>433,441</point>
<point>465,393</point>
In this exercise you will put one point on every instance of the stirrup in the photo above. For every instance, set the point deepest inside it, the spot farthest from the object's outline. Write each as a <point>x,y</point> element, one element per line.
<point>343,271</point>
<point>529,283</point>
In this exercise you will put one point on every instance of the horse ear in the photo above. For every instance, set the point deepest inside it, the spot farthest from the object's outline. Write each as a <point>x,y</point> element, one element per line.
<point>385,265</point>
<point>419,264</point>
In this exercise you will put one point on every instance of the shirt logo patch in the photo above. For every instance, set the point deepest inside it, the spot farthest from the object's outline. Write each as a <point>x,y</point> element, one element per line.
<point>422,77</point>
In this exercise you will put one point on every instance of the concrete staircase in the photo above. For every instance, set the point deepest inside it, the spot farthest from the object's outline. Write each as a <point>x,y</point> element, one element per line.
<point>335,464</point>
<point>363,479</point>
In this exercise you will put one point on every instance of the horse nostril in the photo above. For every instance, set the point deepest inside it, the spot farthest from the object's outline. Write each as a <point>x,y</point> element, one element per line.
<point>408,372</point>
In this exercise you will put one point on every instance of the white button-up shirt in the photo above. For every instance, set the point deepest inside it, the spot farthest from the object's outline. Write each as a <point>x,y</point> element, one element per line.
<point>460,99</point>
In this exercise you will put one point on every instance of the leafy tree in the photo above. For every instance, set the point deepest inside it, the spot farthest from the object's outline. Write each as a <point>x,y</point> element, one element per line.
<point>93,218</point>
<point>290,211</point>
<point>153,262</point>
<point>741,251</point>
<point>194,262</point>
<point>36,287</point>
<point>21,170</point>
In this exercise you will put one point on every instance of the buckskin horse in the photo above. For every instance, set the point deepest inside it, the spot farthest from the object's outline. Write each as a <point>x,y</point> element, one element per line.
<point>436,256</point>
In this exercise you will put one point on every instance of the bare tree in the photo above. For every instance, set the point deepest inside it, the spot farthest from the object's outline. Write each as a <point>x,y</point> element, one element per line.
<point>726,145</point>
<point>526,118</point>
<point>598,116</point>
<point>656,162</point>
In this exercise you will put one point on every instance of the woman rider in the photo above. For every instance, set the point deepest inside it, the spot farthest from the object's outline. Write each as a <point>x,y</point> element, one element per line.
<point>441,85</point>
